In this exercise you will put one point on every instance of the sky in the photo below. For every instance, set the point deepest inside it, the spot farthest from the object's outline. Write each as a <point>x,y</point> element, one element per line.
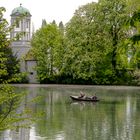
<point>58,10</point>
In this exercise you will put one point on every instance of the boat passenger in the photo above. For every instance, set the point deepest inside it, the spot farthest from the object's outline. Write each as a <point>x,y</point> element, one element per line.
<point>82,95</point>
<point>94,97</point>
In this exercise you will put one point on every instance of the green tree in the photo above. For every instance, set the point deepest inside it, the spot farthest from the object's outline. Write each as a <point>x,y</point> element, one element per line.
<point>61,27</point>
<point>44,23</point>
<point>9,69</point>
<point>9,66</point>
<point>48,50</point>
<point>94,48</point>
<point>135,38</point>
<point>82,53</point>
<point>10,100</point>
<point>113,17</point>
<point>96,39</point>
<point>134,24</point>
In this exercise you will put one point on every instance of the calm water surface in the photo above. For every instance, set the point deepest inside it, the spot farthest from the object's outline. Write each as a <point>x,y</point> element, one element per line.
<point>115,117</point>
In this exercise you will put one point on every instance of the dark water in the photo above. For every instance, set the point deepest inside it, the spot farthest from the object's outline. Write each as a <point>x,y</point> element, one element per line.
<point>115,117</point>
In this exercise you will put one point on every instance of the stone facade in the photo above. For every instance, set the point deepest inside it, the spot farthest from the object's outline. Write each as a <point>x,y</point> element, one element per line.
<point>21,17</point>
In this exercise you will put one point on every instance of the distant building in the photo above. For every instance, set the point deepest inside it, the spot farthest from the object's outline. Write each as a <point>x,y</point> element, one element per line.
<point>21,17</point>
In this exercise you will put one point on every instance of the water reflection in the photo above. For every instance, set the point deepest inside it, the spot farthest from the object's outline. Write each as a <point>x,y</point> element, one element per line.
<point>115,117</point>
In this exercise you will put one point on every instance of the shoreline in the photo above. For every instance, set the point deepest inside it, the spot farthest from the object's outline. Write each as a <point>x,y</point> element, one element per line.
<point>78,86</point>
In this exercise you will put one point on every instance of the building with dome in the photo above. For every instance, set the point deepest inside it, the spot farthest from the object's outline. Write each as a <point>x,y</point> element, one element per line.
<point>21,17</point>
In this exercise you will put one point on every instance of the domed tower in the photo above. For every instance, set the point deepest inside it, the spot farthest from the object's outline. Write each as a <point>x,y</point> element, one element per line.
<point>21,18</point>
<point>21,46</point>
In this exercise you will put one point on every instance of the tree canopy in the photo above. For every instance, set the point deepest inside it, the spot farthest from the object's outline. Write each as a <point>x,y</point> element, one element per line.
<point>99,45</point>
<point>9,66</point>
<point>47,45</point>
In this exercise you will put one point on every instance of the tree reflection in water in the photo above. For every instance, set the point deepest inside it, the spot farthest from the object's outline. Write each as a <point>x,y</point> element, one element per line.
<point>16,114</point>
<point>116,116</point>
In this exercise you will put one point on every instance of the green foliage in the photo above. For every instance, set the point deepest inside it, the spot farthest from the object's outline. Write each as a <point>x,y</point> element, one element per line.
<point>134,24</point>
<point>9,65</point>
<point>48,50</point>
<point>136,78</point>
<point>94,38</point>
<point>82,53</point>
<point>44,23</point>
<point>99,46</point>
<point>9,102</point>
<point>114,15</point>
<point>9,72</point>
<point>13,111</point>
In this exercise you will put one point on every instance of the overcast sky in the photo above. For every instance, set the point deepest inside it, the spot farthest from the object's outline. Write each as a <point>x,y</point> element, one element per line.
<point>58,10</point>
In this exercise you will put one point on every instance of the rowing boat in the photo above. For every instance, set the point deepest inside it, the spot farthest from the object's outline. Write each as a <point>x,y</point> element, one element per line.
<point>89,99</point>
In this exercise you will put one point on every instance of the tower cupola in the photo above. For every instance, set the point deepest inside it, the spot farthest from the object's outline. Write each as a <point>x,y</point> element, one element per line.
<point>20,11</point>
<point>21,17</point>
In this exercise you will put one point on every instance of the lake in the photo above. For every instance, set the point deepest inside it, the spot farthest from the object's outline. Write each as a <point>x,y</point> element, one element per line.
<point>56,117</point>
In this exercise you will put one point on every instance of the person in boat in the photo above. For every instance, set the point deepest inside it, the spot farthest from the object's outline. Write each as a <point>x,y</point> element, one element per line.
<point>94,97</point>
<point>82,95</point>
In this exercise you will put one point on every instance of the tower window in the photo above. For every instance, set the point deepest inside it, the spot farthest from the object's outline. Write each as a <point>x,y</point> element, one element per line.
<point>17,24</point>
<point>27,24</point>
<point>27,36</point>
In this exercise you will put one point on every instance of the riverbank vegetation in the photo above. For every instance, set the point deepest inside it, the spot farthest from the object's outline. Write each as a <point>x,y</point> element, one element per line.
<point>99,45</point>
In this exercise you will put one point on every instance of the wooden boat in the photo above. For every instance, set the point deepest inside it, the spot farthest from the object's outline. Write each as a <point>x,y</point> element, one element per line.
<point>89,99</point>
